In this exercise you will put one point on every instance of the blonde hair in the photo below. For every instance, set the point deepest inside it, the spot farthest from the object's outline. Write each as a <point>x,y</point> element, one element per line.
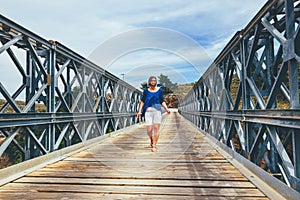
<point>150,78</point>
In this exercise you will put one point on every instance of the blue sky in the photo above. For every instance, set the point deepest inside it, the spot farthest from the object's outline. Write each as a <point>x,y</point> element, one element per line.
<point>183,37</point>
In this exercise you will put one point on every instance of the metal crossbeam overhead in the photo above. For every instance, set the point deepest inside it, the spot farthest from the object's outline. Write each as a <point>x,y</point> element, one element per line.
<point>62,99</point>
<point>248,99</point>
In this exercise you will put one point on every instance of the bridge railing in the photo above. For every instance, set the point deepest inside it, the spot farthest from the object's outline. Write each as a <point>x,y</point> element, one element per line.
<point>248,99</point>
<point>58,99</point>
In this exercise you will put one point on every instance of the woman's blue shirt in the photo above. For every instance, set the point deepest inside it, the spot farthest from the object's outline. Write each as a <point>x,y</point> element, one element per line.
<point>152,99</point>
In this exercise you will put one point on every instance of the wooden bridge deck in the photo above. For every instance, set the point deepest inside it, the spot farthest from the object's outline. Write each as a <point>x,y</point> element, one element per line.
<point>185,166</point>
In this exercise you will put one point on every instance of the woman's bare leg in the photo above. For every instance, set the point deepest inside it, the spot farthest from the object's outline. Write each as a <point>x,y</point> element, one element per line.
<point>149,132</point>
<point>155,136</point>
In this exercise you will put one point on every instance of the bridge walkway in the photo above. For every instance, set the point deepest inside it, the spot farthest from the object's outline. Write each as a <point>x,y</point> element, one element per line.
<point>186,166</point>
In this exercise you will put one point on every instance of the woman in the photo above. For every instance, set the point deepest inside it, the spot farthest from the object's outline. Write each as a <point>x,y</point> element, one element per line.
<point>150,107</point>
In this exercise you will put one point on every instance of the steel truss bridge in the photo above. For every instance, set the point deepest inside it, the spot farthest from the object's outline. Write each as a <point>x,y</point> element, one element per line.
<point>248,99</point>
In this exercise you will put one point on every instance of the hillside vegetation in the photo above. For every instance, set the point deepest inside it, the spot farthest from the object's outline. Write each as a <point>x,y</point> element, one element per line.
<point>173,99</point>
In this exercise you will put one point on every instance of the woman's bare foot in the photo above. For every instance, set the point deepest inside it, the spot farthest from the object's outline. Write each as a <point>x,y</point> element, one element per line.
<point>154,149</point>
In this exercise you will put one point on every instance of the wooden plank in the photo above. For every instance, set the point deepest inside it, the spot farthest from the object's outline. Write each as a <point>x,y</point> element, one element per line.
<point>149,163</point>
<point>113,174</point>
<point>138,182</point>
<point>125,189</point>
<point>110,196</point>
<point>120,160</point>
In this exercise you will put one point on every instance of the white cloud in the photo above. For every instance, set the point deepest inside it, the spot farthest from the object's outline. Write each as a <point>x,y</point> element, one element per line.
<point>152,46</point>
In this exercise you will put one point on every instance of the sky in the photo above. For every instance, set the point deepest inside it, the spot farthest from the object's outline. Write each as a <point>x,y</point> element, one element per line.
<point>134,39</point>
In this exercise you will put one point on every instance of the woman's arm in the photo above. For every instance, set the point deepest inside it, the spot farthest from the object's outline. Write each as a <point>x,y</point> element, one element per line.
<point>143,99</point>
<point>140,110</point>
<point>164,105</point>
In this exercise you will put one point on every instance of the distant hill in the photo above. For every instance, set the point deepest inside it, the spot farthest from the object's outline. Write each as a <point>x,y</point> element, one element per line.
<point>38,106</point>
<point>183,89</point>
<point>178,94</point>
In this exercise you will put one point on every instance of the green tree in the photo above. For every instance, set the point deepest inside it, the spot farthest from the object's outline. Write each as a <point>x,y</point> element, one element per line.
<point>166,84</point>
<point>144,85</point>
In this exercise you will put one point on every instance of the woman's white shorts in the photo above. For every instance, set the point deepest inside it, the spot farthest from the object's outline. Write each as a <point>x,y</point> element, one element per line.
<point>152,116</point>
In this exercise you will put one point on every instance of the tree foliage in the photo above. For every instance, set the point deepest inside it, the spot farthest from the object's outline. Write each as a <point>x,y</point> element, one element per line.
<point>166,84</point>
<point>144,85</point>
